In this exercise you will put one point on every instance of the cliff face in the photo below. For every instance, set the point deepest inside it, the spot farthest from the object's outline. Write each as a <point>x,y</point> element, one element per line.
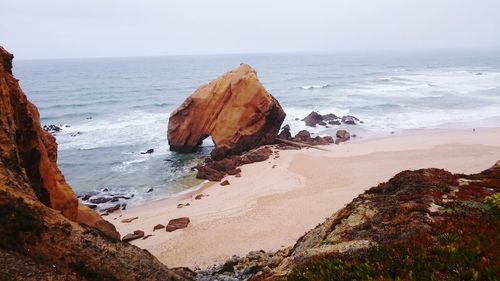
<point>45,234</point>
<point>420,225</point>
<point>235,110</point>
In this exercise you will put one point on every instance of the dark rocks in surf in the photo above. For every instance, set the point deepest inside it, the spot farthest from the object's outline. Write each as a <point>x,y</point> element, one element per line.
<point>314,118</point>
<point>149,151</point>
<point>350,120</point>
<point>342,136</point>
<point>285,133</point>
<point>52,128</point>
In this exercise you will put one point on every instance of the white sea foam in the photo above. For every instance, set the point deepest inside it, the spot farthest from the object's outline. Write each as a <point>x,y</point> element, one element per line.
<point>312,87</point>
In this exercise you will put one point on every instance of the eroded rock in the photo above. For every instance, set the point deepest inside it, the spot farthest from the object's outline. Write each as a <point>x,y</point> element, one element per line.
<point>235,110</point>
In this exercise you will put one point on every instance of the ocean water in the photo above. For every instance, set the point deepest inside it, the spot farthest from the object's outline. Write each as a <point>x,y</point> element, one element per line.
<point>112,109</point>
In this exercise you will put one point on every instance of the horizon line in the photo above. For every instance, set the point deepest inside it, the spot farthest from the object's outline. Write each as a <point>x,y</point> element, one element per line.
<point>319,52</point>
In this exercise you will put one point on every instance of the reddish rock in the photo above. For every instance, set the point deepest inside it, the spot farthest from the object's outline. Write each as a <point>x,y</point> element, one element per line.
<point>224,183</point>
<point>178,223</point>
<point>45,233</point>
<point>158,226</point>
<point>235,110</point>
<point>133,236</point>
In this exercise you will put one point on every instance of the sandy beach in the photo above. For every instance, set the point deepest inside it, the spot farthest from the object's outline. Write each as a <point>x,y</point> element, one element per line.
<point>275,202</point>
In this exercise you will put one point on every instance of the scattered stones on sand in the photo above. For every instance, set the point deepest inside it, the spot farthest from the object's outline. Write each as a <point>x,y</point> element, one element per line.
<point>199,196</point>
<point>147,236</point>
<point>224,183</point>
<point>178,223</point>
<point>129,220</point>
<point>158,226</point>
<point>133,236</point>
<point>180,205</point>
<point>149,151</point>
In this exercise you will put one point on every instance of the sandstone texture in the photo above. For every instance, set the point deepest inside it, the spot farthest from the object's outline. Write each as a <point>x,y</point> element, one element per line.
<point>235,110</point>
<point>45,234</point>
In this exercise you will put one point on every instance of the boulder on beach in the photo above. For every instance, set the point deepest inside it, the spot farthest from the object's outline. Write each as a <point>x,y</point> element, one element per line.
<point>178,223</point>
<point>235,110</point>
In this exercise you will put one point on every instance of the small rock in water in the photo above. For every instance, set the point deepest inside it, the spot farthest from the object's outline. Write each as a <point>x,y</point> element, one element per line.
<point>350,120</point>
<point>52,128</point>
<point>91,206</point>
<point>124,206</point>
<point>178,223</point>
<point>158,226</point>
<point>129,220</point>
<point>149,190</point>
<point>132,236</point>
<point>149,151</point>
<point>226,182</point>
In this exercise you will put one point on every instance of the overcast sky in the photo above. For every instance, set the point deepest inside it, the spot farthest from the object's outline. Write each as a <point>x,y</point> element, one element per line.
<point>106,28</point>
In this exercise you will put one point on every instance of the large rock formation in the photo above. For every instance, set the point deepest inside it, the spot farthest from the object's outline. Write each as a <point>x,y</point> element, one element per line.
<point>235,110</point>
<point>45,234</point>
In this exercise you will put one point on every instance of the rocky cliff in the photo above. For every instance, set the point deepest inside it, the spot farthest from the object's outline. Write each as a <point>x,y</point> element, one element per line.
<point>235,110</point>
<point>45,234</point>
<point>420,225</point>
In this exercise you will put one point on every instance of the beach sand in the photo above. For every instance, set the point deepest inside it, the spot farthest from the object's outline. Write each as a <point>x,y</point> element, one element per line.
<point>270,208</point>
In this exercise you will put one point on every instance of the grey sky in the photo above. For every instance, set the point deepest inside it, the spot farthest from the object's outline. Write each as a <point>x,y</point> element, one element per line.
<point>106,28</point>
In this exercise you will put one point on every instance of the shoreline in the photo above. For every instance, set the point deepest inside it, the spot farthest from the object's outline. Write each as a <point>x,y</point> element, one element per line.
<point>254,211</point>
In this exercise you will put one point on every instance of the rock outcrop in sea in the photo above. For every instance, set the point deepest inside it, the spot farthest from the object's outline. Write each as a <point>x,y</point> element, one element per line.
<point>45,233</point>
<point>235,110</point>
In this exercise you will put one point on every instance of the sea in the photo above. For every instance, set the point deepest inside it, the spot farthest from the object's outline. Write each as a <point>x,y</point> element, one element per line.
<point>112,109</point>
